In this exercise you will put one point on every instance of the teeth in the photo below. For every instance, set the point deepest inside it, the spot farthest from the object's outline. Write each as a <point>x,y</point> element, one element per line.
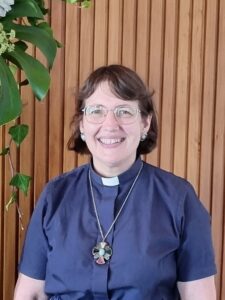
<point>110,141</point>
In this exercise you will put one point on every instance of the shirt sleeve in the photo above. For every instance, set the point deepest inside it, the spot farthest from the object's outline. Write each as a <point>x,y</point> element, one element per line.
<point>195,257</point>
<point>34,254</point>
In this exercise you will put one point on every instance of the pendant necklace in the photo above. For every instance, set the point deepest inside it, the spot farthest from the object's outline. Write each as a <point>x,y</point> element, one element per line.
<point>102,252</point>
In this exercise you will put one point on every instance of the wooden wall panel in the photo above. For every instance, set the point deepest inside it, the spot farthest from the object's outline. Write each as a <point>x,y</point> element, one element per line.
<point>169,85</point>
<point>115,31</point>
<point>208,103</point>
<point>9,233</point>
<point>101,33</point>
<point>72,50</point>
<point>129,33</point>
<point>182,88</point>
<point>86,52</point>
<point>26,160</point>
<point>177,47</point>
<point>143,38</point>
<point>2,212</point>
<point>195,99</point>
<point>56,107</point>
<point>218,192</point>
<point>157,27</point>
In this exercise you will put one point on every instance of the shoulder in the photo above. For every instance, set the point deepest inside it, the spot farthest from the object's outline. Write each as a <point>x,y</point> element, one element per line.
<point>74,174</point>
<point>175,192</point>
<point>63,187</point>
<point>67,179</point>
<point>167,181</point>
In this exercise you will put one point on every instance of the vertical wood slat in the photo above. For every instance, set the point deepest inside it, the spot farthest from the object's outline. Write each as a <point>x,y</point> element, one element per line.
<point>86,43</point>
<point>177,47</point>
<point>218,217</point>
<point>208,107</point>
<point>40,147</point>
<point>9,232</point>
<point>41,134</point>
<point>197,54</point>
<point>169,85</point>
<point>129,33</point>
<point>26,158</point>
<point>86,52</point>
<point>2,211</point>
<point>143,38</point>
<point>56,93</point>
<point>182,89</point>
<point>115,31</point>
<point>72,33</point>
<point>100,33</point>
<point>156,46</point>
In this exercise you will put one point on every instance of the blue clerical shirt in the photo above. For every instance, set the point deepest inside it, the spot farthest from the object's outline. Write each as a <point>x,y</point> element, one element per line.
<point>161,236</point>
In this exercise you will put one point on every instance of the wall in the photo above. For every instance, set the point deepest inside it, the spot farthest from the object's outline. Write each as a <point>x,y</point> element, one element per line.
<point>178,48</point>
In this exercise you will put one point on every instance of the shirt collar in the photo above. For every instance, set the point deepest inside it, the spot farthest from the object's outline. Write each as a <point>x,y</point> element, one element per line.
<point>117,180</point>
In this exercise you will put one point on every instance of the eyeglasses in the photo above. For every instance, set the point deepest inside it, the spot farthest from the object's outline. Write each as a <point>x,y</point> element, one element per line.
<point>123,114</point>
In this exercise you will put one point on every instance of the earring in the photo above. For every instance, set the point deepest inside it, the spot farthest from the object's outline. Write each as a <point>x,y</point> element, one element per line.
<point>143,136</point>
<point>82,136</point>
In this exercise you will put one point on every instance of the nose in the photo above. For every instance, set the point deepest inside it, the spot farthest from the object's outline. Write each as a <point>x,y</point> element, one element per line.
<point>110,120</point>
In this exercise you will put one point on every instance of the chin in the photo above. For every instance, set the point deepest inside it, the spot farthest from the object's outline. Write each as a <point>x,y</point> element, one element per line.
<point>112,162</point>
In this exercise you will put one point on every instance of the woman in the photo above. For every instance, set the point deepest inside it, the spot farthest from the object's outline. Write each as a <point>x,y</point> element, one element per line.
<point>117,228</point>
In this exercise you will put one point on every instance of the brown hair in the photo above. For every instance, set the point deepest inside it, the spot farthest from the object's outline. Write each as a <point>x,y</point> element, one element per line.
<point>125,84</point>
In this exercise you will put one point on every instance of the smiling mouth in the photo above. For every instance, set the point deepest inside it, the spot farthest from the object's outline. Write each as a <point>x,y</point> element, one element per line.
<point>111,141</point>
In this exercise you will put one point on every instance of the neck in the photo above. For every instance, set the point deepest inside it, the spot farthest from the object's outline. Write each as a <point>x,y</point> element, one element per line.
<point>111,170</point>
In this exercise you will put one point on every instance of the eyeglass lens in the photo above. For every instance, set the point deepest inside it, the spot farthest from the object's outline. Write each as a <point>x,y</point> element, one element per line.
<point>123,114</point>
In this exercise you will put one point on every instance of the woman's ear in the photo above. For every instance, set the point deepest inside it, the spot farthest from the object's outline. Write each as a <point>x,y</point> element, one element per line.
<point>81,127</point>
<point>147,122</point>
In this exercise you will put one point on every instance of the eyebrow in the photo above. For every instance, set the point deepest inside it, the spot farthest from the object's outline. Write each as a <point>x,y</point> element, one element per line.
<point>121,105</point>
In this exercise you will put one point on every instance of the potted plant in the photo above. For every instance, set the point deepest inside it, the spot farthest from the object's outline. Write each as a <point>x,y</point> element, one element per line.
<point>22,22</point>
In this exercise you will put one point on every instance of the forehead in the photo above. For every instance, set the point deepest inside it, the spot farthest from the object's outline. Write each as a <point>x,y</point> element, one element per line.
<point>103,95</point>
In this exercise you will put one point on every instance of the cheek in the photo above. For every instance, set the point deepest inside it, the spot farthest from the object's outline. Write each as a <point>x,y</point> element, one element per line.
<point>135,133</point>
<point>89,129</point>
<point>81,125</point>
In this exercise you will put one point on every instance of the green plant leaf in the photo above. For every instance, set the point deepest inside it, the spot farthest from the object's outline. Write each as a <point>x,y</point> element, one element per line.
<point>21,182</point>
<point>10,102</point>
<point>24,8</point>
<point>82,3</point>
<point>46,27</point>
<point>22,45</point>
<point>72,1</point>
<point>86,4</point>
<point>18,133</point>
<point>13,68</point>
<point>12,199</point>
<point>37,75</point>
<point>41,4</point>
<point>40,36</point>
<point>4,151</point>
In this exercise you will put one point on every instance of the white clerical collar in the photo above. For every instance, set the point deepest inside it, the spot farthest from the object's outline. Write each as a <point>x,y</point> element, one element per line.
<point>111,181</point>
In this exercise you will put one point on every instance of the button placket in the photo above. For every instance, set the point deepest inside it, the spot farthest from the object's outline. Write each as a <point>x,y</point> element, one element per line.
<point>105,207</point>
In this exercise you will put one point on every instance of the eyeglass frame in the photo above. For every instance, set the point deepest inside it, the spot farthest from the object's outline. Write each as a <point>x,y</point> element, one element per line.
<point>137,110</point>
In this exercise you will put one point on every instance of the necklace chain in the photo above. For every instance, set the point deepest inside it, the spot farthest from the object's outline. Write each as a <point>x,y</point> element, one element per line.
<point>120,210</point>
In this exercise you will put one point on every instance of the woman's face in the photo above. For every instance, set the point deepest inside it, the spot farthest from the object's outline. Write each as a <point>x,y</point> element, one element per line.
<point>113,145</point>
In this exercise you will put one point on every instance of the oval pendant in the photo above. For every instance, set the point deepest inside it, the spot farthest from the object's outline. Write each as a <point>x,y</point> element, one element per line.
<point>102,253</point>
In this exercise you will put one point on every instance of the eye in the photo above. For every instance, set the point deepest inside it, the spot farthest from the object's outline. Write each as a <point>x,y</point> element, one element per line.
<point>125,112</point>
<point>95,110</point>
